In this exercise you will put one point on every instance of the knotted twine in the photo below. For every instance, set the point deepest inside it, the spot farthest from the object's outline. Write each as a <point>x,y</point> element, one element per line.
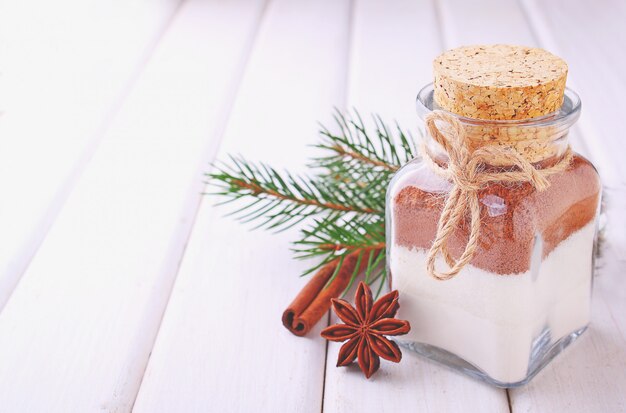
<point>465,170</point>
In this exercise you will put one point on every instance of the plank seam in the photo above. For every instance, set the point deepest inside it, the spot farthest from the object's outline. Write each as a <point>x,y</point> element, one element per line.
<point>443,41</point>
<point>62,195</point>
<point>544,38</point>
<point>508,400</point>
<point>348,66</point>
<point>218,133</point>
<point>325,366</point>
<point>439,16</point>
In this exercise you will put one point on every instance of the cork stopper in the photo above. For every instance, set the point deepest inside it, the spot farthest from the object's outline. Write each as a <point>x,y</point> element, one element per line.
<point>499,82</point>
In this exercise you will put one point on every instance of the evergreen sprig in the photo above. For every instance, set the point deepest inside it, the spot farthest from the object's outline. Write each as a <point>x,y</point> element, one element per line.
<point>343,197</point>
<point>355,149</point>
<point>281,200</point>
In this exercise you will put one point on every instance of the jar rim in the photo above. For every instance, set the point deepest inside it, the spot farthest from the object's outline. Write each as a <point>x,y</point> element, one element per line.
<point>566,116</point>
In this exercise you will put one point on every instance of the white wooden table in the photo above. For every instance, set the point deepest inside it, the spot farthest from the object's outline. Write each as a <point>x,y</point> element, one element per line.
<point>122,288</point>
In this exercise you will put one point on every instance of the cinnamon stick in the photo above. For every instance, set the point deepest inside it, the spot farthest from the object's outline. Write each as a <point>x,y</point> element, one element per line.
<point>313,301</point>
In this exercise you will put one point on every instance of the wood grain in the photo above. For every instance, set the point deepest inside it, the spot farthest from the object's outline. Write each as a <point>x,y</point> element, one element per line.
<point>59,91</point>
<point>121,286</point>
<point>597,66</point>
<point>491,22</point>
<point>221,346</point>
<point>591,375</point>
<point>378,86</point>
<point>83,319</point>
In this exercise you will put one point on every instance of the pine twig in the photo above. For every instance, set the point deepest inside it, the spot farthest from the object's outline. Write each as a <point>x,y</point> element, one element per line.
<point>280,200</point>
<point>343,203</point>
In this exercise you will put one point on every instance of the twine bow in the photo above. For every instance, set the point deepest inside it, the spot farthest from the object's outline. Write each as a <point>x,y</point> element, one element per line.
<point>466,173</point>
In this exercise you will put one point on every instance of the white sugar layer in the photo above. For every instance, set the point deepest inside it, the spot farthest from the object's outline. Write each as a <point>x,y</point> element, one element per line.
<point>491,320</point>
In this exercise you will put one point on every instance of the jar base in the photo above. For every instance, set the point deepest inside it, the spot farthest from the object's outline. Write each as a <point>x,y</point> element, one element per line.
<point>543,352</point>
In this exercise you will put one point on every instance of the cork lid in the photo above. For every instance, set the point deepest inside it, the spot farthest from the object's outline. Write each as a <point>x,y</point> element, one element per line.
<point>499,82</point>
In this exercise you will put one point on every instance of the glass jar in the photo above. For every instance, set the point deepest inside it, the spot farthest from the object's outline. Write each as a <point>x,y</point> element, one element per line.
<point>525,295</point>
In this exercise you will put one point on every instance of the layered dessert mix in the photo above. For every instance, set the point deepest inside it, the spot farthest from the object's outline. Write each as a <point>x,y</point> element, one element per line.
<point>525,293</point>
<point>531,274</point>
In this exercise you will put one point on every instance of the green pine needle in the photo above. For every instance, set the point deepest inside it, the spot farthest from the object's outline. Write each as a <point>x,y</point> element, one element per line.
<point>342,204</point>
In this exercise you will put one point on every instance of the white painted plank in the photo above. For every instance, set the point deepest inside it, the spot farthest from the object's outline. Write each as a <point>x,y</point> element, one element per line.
<point>393,46</point>
<point>491,22</point>
<point>78,330</point>
<point>221,346</point>
<point>595,378</point>
<point>415,384</point>
<point>591,375</point>
<point>591,39</point>
<point>463,23</point>
<point>64,68</point>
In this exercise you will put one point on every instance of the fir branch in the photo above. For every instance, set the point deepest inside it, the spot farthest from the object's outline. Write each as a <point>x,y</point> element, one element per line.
<point>338,236</point>
<point>345,198</point>
<point>384,152</point>
<point>334,239</point>
<point>280,200</point>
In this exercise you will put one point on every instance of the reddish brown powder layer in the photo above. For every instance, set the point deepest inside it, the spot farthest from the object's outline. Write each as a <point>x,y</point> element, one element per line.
<point>508,231</point>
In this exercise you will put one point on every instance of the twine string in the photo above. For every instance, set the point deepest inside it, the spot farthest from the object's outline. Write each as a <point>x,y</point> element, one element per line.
<point>465,170</point>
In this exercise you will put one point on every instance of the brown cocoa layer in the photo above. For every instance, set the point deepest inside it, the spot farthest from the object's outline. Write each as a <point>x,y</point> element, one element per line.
<point>509,225</point>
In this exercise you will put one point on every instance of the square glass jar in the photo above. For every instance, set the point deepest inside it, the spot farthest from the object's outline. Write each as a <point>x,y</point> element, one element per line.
<point>526,293</point>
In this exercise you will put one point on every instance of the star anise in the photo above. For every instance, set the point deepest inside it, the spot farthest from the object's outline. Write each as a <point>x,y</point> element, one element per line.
<point>365,328</point>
